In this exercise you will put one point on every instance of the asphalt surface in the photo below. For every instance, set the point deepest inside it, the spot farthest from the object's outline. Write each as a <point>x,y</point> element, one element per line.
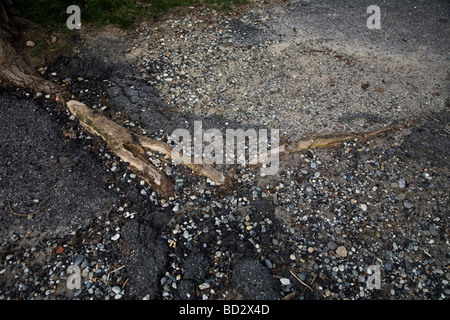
<point>328,215</point>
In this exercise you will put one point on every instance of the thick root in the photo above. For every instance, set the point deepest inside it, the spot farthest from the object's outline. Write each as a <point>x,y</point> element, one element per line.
<point>330,140</point>
<point>132,148</point>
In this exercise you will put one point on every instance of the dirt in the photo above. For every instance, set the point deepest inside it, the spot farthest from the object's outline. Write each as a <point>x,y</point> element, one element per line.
<point>58,187</point>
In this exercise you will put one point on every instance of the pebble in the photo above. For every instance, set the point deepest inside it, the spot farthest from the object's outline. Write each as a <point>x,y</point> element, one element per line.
<point>332,245</point>
<point>268,263</point>
<point>408,205</point>
<point>388,266</point>
<point>115,237</point>
<point>116,289</point>
<point>204,286</point>
<point>285,281</point>
<point>433,230</point>
<point>78,260</point>
<point>30,43</point>
<point>341,251</point>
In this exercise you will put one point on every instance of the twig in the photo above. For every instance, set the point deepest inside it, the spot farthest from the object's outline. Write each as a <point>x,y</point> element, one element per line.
<point>25,214</point>
<point>289,296</point>
<point>118,269</point>
<point>125,283</point>
<point>107,282</point>
<point>314,279</point>
<point>430,117</point>
<point>164,125</point>
<point>299,280</point>
<point>168,109</point>
<point>47,165</point>
<point>228,269</point>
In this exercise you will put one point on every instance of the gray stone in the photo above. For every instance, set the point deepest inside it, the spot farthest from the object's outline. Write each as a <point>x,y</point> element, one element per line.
<point>78,260</point>
<point>268,263</point>
<point>433,230</point>
<point>408,205</point>
<point>332,245</point>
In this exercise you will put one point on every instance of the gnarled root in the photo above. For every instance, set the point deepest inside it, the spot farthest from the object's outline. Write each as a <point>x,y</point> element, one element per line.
<point>131,148</point>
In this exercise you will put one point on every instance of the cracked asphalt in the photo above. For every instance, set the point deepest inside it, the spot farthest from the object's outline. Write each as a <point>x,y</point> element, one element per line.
<point>309,232</point>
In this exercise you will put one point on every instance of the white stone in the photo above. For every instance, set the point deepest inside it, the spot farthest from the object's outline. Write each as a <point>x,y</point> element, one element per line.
<point>115,237</point>
<point>116,289</point>
<point>204,286</point>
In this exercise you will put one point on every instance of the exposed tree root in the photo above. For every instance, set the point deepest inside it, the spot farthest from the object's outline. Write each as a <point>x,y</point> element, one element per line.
<point>13,68</point>
<point>129,147</point>
<point>132,148</point>
<point>329,140</point>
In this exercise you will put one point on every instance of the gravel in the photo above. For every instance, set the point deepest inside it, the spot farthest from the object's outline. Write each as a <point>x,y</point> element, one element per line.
<point>253,68</point>
<point>324,218</point>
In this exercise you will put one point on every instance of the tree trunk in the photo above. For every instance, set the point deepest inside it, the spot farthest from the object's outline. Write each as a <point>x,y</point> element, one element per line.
<point>14,70</point>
